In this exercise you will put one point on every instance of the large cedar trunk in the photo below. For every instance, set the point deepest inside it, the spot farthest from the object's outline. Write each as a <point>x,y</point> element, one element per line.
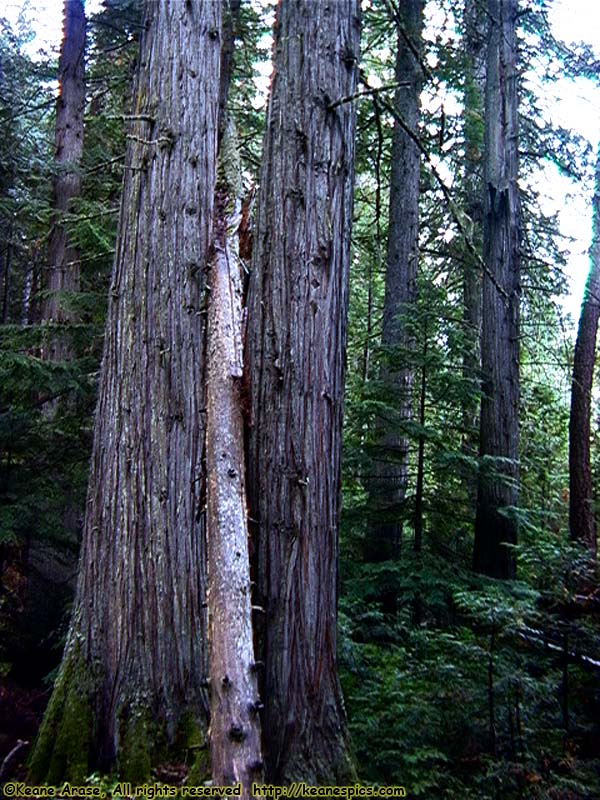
<point>582,519</point>
<point>388,487</point>
<point>295,354</point>
<point>495,525</point>
<point>63,271</point>
<point>134,668</point>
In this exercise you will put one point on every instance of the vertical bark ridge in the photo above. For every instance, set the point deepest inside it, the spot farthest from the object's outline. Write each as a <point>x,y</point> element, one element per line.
<point>139,626</point>
<point>62,277</point>
<point>475,26</point>
<point>495,525</point>
<point>582,518</point>
<point>295,349</point>
<point>388,488</point>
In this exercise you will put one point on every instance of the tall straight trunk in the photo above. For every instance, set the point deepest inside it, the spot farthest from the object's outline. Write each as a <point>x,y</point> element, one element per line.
<point>582,519</point>
<point>234,704</point>
<point>132,680</point>
<point>295,352</point>
<point>420,484</point>
<point>388,486</point>
<point>495,526</point>
<point>30,311</point>
<point>8,171</point>
<point>6,275</point>
<point>475,28</point>
<point>63,272</point>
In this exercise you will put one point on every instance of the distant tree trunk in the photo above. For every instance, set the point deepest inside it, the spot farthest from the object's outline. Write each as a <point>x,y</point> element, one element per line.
<point>388,486</point>
<point>499,443</point>
<point>235,723</point>
<point>132,680</point>
<point>420,484</point>
<point>582,519</point>
<point>6,270</point>
<point>63,272</point>
<point>377,260</point>
<point>475,28</point>
<point>8,169</point>
<point>26,297</point>
<point>295,354</point>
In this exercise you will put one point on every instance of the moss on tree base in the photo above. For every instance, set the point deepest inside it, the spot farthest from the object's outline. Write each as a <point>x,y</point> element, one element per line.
<point>68,744</point>
<point>62,747</point>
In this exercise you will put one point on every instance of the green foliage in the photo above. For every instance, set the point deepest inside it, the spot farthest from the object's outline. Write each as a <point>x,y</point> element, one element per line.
<point>425,644</point>
<point>62,745</point>
<point>46,407</point>
<point>418,683</point>
<point>456,686</point>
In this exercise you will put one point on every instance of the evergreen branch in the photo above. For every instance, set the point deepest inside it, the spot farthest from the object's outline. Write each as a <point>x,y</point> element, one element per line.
<point>368,91</point>
<point>83,260</point>
<point>132,117</point>
<point>104,164</point>
<point>24,111</point>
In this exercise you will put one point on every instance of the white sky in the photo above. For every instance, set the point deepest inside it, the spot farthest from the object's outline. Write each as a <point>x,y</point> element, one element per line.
<point>574,104</point>
<point>47,19</point>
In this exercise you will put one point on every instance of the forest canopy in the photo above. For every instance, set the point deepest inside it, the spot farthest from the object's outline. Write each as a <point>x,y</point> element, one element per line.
<point>299,445</point>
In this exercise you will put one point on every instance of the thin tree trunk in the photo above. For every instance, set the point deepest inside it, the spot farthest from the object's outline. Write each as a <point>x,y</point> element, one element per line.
<point>6,275</point>
<point>388,487</point>
<point>491,693</point>
<point>418,541</point>
<point>30,311</point>
<point>63,273</point>
<point>132,680</point>
<point>235,725</point>
<point>366,365</point>
<point>582,518</point>
<point>8,170</point>
<point>295,350</point>
<point>565,681</point>
<point>475,28</point>
<point>495,526</point>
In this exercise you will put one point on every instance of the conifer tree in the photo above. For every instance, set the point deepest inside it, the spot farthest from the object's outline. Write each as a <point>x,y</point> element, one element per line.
<point>295,349</point>
<point>582,517</point>
<point>133,674</point>
<point>388,488</point>
<point>495,524</point>
<point>474,44</point>
<point>62,277</point>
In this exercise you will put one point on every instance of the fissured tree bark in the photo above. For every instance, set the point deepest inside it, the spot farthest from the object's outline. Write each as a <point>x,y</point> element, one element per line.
<point>295,352</point>
<point>582,519</point>
<point>132,680</point>
<point>474,48</point>
<point>388,487</point>
<point>495,525</point>
<point>235,741</point>
<point>62,276</point>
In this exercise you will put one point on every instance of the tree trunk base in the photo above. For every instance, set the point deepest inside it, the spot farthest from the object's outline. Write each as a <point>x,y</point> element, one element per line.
<point>327,761</point>
<point>62,747</point>
<point>71,744</point>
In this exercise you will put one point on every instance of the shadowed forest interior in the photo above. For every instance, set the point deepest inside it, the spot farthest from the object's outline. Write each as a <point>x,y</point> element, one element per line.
<point>299,446</point>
